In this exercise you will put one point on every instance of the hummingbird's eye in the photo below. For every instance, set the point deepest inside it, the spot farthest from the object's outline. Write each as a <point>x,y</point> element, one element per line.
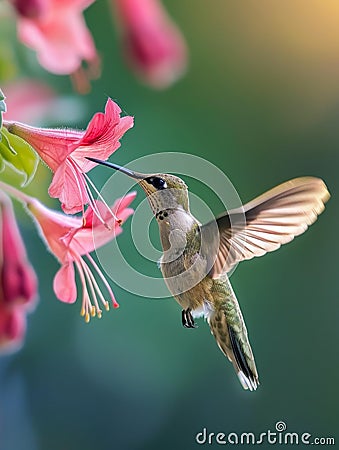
<point>157,182</point>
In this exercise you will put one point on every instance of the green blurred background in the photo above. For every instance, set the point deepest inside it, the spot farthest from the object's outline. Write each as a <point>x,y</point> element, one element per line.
<point>261,101</point>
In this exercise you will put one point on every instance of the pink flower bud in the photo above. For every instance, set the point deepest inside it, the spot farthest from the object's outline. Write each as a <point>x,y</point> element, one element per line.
<point>18,283</point>
<point>12,328</point>
<point>31,8</point>
<point>153,45</point>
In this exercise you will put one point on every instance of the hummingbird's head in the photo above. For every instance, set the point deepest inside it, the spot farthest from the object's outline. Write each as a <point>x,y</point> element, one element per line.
<point>163,191</point>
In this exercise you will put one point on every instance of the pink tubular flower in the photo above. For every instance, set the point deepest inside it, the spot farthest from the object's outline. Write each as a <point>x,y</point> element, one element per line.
<point>12,328</point>
<point>154,46</point>
<point>57,31</point>
<point>71,239</point>
<point>18,283</point>
<point>30,8</point>
<point>65,151</point>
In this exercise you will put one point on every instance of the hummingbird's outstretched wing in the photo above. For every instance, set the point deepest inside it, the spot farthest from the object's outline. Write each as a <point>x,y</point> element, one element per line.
<point>228,327</point>
<point>265,223</point>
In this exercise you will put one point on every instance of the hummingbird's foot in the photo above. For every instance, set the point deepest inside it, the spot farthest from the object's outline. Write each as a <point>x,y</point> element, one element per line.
<point>187,319</point>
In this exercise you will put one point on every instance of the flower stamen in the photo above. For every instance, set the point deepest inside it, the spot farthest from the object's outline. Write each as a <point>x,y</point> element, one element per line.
<point>87,278</point>
<point>95,208</point>
<point>95,284</point>
<point>100,197</point>
<point>86,302</point>
<point>82,185</point>
<point>93,287</point>
<point>103,279</point>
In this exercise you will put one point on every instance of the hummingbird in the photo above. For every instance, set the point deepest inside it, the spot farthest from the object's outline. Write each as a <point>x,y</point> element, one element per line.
<point>197,258</point>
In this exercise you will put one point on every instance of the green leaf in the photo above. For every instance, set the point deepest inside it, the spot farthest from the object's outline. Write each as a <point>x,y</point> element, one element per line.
<point>19,155</point>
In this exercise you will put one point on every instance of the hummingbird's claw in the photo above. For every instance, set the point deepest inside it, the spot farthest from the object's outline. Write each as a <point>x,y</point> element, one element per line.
<point>187,319</point>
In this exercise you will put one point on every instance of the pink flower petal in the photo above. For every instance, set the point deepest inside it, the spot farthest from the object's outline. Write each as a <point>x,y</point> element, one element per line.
<point>91,220</point>
<point>54,226</point>
<point>100,124</point>
<point>64,284</point>
<point>102,136</point>
<point>68,189</point>
<point>121,203</point>
<point>94,234</point>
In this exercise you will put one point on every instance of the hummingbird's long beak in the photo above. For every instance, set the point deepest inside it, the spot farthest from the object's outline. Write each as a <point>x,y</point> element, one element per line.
<point>130,173</point>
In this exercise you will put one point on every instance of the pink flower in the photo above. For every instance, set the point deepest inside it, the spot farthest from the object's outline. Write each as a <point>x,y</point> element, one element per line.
<point>57,31</point>
<point>31,8</point>
<point>18,280</point>
<point>65,151</point>
<point>12,328</point>
<point>18,283</point>
<point>71,240</point>
<point>154,46</point>
<point>28,100</point>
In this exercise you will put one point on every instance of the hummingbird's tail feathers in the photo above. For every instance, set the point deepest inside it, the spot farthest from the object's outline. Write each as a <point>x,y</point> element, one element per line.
<point>248,379</point>
<point>237,349</point>
<point>228,327</point>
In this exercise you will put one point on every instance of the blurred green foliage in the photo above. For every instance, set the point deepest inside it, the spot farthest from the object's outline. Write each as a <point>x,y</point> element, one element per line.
<point>261,101</point>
